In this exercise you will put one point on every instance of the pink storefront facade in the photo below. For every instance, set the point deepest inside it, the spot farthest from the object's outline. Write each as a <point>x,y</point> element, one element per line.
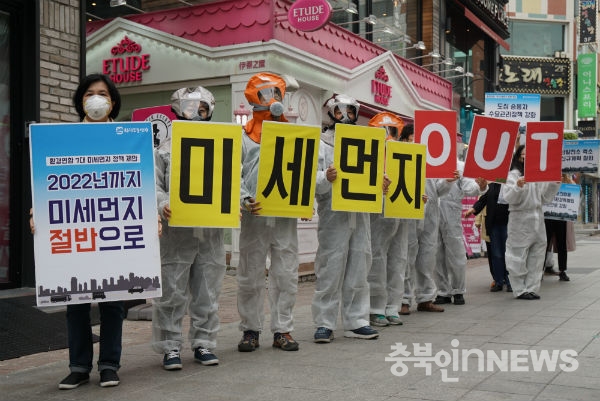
<point>221,45</point>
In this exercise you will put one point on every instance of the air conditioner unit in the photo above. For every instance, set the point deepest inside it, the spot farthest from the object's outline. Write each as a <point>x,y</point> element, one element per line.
<point>117,3</point>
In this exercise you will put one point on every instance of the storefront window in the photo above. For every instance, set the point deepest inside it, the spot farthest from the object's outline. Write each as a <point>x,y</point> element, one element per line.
<point>542,39</point>
<point>4,145</point>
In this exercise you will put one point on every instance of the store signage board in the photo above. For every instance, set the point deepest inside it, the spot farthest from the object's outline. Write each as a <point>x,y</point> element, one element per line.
<point>309,15</point>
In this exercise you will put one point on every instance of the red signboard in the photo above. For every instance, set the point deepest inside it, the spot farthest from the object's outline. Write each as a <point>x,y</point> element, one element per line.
<point>437,130</point>
<point>543,160</point>
<point>491,148</point>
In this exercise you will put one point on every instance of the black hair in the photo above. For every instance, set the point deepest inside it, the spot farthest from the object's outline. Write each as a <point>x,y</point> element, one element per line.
<point>83,87</point>
<point>516,162</point>
<point>407,130</point>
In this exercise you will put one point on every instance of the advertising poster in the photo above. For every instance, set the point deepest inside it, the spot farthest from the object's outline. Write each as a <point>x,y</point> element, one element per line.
<point>358,154</point>
<point>206,163</point>
<point>94,209</point>
<point>287,169</point>
<point>565,205</point>
<point>471,236</point>
<point>161,118</point>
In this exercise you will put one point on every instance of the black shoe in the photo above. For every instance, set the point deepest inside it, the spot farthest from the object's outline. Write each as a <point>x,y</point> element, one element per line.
<point>74,380</point>
<point>534,295</point>
<point>563,276</point>
<point>549,271</point>
<point>249,341</point>
<point>508,288</point>
<point>109,378</point>
<point>459,299</point>
<point>496,288</point>
<point>439,300</point>
<point>526,295</point>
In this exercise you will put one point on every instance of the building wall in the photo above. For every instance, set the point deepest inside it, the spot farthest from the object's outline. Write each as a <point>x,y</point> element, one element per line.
<point>59,59</point>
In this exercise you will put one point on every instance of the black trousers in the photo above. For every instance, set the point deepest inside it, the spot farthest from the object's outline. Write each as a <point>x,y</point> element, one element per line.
<point>558,230</point>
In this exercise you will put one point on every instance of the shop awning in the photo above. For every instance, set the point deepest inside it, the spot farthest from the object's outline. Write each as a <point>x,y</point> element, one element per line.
<point>486,29</point>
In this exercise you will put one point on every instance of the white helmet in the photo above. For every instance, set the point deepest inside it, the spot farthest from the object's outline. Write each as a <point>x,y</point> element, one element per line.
<point>185,102</point>
<point>343,104</point>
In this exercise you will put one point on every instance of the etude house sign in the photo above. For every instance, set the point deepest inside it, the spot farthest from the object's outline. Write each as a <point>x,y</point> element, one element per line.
<point>127,64</point>
<point>382,92</point>
<point>309,15</point>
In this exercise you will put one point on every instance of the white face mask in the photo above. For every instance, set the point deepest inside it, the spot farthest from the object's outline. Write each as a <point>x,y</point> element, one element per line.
<point>97,107</point>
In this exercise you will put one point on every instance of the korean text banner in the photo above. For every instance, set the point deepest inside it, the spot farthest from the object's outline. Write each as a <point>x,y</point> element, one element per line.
<point>287,169</point>
<point>94,207</point>
<point>565,204</point>
<point>543,143</point>
<point>586,85</point>
<point>581,156</point>
<point>405,167</point>
<point>437,130</point>
<point>206,161</point>
<point>491,148</point>
<point>521,107</point>
<point>358,159</point>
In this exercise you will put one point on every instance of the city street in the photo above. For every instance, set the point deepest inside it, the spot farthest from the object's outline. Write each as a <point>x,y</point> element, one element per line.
<point>565,323</point>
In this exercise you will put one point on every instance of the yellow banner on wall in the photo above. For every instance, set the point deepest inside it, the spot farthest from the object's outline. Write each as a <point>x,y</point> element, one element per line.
<point>287,169</point>
<point>405,167</point>
<point>358,154</point>
<point>204,190</point>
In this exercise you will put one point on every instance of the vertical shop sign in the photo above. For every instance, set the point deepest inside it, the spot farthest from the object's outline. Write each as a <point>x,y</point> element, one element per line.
<point>586,85</point>
<point>587,21</point>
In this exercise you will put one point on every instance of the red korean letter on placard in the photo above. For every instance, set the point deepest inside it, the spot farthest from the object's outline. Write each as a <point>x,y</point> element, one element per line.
<point>437,130</point>
<point>490,148</point>
<point>543,160</point>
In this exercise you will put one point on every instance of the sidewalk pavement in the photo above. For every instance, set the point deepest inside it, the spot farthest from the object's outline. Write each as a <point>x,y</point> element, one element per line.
<point>566,318</point>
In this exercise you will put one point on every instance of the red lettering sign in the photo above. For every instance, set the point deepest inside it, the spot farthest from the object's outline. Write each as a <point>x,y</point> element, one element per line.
<point>490,148</point>
<point>381,91</point>
<point>128,68</point>
<point>437,130</point>
<point>543,160</point>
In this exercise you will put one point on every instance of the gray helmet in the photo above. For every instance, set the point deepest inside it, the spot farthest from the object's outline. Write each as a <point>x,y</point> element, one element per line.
<point>342,103</point>
<point>186,101</point>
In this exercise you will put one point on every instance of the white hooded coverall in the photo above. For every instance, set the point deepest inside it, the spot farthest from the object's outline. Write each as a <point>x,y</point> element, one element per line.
<point>451,263</point>
<point>343,256</point>
<point>526,238</point>
<point>260,237</point>
<point>192,270</point>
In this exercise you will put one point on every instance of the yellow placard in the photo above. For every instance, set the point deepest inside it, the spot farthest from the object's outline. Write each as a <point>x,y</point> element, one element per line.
<point>205,180</point>
<point>358,154</point>
<point>287,169</point>
<point>405,167</point>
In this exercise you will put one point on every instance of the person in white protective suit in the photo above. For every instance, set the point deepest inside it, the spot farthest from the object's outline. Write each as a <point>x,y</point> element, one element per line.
<point>451,265</point>
<point>526,240</point>
<point>344,252</point>
<point>263,236</point>
<point>389,245</point>
<point>192,259</point>
<point>427,237</point>
<point>407,135</point>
